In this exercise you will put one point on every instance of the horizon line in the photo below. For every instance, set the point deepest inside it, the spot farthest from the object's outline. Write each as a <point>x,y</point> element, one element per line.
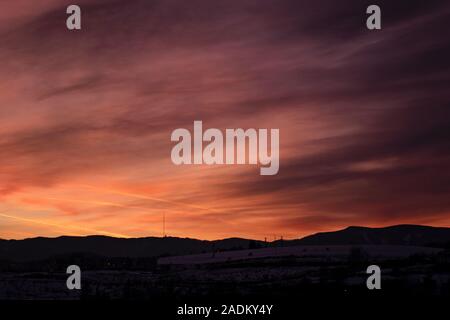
<point>221,239</point>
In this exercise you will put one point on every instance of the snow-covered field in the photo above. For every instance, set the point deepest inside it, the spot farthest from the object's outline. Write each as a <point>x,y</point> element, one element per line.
<point>376,251</point>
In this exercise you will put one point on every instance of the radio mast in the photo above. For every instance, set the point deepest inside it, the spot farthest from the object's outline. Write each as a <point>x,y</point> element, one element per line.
<point>164,224</point>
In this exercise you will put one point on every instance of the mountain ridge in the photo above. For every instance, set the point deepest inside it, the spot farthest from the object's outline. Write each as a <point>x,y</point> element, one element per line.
<point>44,247</point>
<point>402,234</point>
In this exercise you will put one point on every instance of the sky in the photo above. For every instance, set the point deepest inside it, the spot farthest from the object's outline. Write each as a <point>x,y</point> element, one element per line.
<point>86,116</point>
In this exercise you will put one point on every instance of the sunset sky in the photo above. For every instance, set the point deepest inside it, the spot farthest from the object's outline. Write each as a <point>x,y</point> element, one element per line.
<point>86,116</point>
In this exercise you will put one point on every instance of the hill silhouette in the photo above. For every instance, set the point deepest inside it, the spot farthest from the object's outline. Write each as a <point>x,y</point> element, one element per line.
<point>43,248</point>
<point>407,235</point>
